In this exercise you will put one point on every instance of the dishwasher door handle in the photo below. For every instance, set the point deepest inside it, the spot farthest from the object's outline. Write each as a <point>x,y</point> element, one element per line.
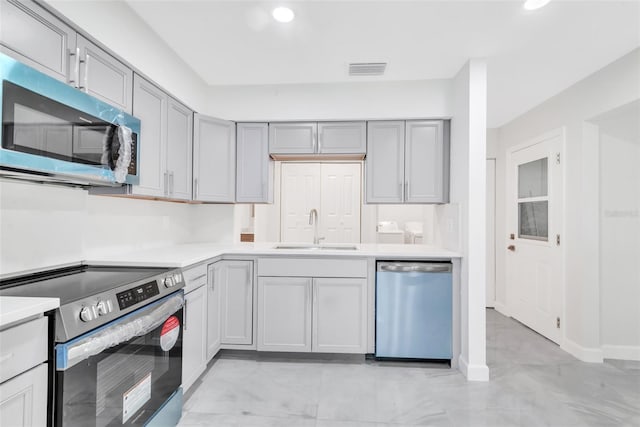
<point>405,267</point>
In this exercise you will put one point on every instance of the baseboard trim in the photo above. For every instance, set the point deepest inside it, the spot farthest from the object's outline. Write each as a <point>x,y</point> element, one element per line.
<point>501,308</point>
<point>585,354</point>
<point>473,372</point>
<point>621,352</point>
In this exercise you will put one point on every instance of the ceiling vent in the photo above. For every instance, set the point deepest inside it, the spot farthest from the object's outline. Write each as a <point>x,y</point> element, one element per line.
<point>367,68</point>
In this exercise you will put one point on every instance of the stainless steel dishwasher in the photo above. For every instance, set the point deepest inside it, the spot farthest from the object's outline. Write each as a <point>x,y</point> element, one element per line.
<point>413,310</point>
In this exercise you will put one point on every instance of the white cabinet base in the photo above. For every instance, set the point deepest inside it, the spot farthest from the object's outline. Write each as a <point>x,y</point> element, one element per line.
<point>339,315</point>
<point>284,314</point>
<point>23,399</point>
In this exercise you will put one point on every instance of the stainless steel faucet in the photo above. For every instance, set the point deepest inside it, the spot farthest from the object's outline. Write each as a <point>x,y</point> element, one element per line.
<point>313,220</point>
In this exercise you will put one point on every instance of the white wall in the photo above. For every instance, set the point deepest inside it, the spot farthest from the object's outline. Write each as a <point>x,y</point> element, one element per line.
<point>338,101</point>
<point>466,214</point>
<point>613,86</point>
<point>116,26</point>
<point>619,135</point>
<point>45,225</point>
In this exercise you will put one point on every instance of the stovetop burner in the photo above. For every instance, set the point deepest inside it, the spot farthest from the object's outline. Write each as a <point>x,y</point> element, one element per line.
<point>77,282</point>
<point>91,296</point>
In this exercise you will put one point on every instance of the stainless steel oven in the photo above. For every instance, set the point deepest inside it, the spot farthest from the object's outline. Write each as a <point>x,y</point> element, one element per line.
<point>116,343</point>
<point>122,373</point>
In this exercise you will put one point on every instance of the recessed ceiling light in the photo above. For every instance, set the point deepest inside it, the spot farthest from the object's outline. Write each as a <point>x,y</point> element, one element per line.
<point>283,14</point>
<point>535,4</point>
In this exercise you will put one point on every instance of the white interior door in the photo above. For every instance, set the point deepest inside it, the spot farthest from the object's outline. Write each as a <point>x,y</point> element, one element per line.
<point>534,213</point>
<point>333,189</point>
<point>340,202</point>
<point>491,232</point>
<point>300,193</point>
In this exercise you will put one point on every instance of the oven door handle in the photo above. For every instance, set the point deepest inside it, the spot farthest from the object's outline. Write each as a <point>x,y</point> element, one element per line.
<point>135,324</point>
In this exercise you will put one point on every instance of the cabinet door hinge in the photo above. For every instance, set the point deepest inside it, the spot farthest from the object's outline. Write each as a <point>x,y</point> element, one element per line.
<point>558,322</point>
<point>558,158</point>
<point>557,240</point>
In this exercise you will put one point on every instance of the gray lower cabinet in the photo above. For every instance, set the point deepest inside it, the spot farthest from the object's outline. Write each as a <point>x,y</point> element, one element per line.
<point>23,399</point>
<point>284,314</point>
<point>213,310</point>
<point>194,334</point>
<point>407,162</point>
<point>37,38</point>
<point>342,137</point>
<point>23,373</point>
<point>214,161</point>
<point>304,314</point>
<point>234,278</point>
<point>254,167</point>
<point>165,143</point>
<point>103,76</point>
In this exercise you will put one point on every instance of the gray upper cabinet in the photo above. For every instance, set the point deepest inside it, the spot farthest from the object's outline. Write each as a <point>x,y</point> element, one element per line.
<point>214,160</point>
<point>37,38</point>
<point>179,150</point>
<point>407,162</point>
<point>293,138</point>
<point>254,168</point>
<point>342,137</point>
<point>385,162</point>
<point>103,76</point>
<point>426,162</point>
<point>150,106</point>
<point>165,143</point>
<point>318,138</point>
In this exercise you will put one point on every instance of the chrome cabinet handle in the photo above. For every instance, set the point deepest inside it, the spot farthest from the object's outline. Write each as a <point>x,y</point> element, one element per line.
<point>195,188</point>
<point>406,191</point>
<point>171,183</point>
<point>314,138</point>
<point>184,314</point>
<point>319,142</point>
<point>76,67</point>
<point>166,183</point>
<point>86,73</point>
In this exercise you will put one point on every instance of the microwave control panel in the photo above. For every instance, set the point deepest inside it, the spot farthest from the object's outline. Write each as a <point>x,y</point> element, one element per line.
<point>138,294</point>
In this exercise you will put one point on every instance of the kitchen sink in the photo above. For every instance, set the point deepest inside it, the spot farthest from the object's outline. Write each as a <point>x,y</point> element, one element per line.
<point>310,247</point>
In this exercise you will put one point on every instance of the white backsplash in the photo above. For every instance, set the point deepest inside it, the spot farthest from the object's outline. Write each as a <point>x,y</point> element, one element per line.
<point>47,225</point>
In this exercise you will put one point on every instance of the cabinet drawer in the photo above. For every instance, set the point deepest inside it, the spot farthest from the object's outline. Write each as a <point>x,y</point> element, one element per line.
<point>312,267</point>
<point>22,347</point>
<point>195,277</point>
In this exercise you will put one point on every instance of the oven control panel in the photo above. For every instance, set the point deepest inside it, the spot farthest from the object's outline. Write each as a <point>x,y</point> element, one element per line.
<point>138,294</point>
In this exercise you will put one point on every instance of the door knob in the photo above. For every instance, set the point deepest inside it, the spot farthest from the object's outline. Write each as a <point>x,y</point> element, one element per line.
<point>512,248</point>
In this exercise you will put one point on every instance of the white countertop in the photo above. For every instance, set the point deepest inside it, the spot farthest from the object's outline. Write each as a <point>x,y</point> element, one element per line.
<point>16,309</point>
<point>184,255</point>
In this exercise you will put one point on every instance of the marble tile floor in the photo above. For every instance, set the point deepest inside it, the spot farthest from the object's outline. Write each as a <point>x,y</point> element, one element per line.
<point>533,383</point>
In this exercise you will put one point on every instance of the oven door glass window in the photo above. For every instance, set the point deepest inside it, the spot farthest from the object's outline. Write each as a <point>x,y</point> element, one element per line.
<point>123,385</point>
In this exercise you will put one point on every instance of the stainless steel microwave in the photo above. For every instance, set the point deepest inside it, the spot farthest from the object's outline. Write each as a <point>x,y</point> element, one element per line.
<point>54,132</point>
